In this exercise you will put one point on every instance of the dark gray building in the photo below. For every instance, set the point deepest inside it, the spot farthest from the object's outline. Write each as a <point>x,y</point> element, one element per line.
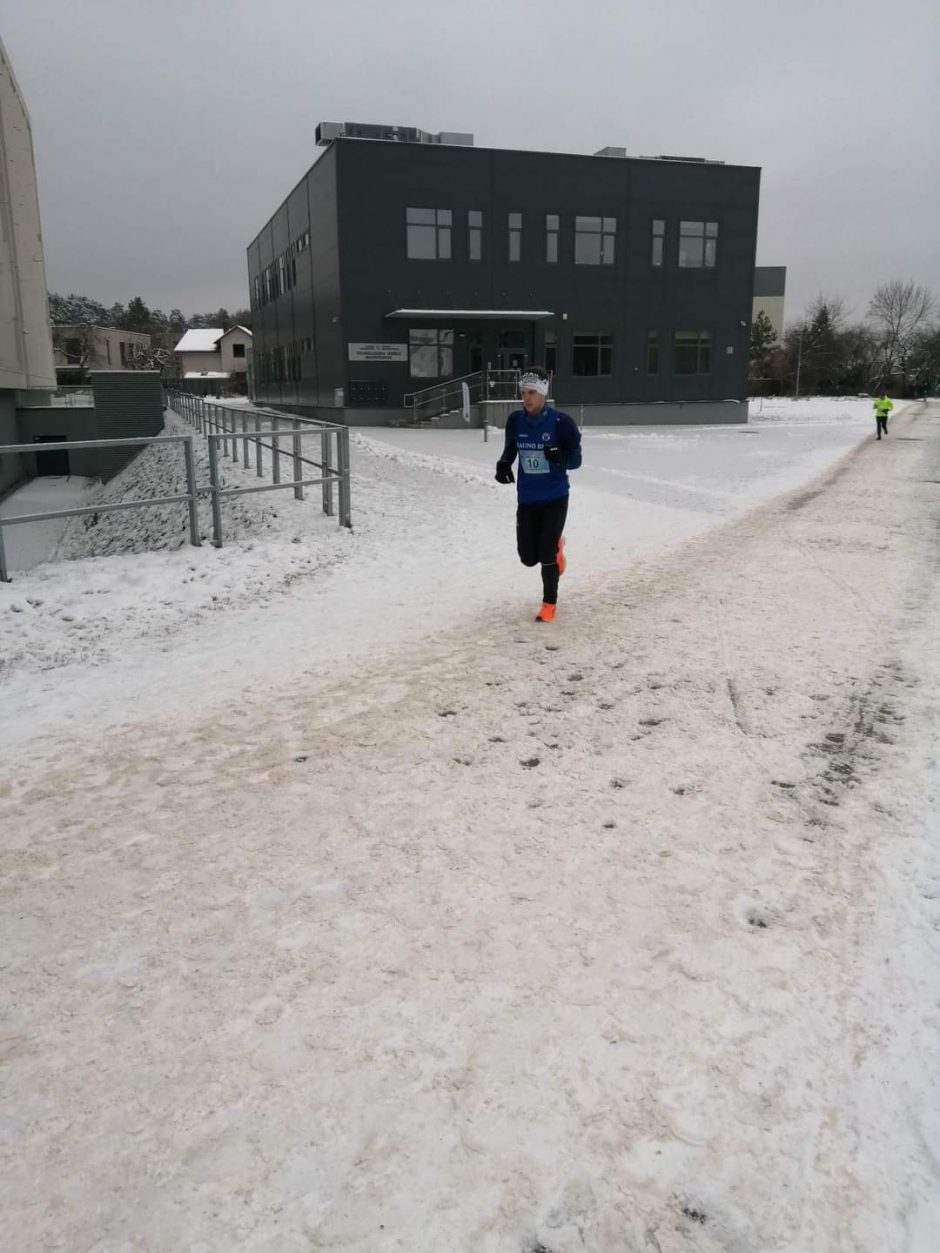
<point>402,261</point>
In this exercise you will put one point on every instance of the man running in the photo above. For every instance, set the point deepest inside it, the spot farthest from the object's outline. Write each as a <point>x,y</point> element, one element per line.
<point>882,407</point>
<point>548,444</point>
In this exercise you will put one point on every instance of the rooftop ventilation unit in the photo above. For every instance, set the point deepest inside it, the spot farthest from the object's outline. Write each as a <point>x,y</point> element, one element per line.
<point>611,152</point>
<point>695,160</point>
<point>328,131</point>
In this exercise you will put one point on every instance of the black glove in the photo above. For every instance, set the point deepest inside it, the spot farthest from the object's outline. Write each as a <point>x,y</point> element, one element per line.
<point>504,472</point>
<point>555,455</point>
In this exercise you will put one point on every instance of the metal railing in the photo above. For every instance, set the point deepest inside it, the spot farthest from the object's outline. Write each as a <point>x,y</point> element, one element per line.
<point>190,497</point>
<point>439,398</point>
<point>220,432</point>
<point>220,424</point>
<point>340,475</point>
<point>65,397</point>
<point>504,384</point>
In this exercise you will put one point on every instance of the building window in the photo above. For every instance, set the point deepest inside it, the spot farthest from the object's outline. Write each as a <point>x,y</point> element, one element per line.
<point>515,237</point>
<point>431,353</point>
<point>551,352</point>
<point>698,245</point>
<point>475,237</point>
<point>652,352</point>
<point>594,240</point>
<point>659,237</point>
<point>591,355</point>
<point>551,238</point>
<point>429,234</point>
<point>238,350</point>
<point>693,352</point>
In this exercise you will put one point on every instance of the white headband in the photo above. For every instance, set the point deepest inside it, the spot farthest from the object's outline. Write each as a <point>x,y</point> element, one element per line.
<point>532,383</point>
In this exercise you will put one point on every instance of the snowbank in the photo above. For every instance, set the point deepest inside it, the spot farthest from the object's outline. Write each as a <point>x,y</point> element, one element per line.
<point>432,545</point>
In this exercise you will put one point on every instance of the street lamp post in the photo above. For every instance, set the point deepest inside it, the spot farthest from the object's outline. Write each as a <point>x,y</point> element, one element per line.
<point>799,363</point>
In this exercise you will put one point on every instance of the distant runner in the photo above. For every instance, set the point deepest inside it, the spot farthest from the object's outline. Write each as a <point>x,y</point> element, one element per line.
<point>882,408</point>
<point>548,444</point>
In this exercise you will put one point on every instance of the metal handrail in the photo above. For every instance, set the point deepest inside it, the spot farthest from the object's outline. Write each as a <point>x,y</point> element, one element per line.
<point>211,418</point>
<point>410,399</point>
<point>191,495</point>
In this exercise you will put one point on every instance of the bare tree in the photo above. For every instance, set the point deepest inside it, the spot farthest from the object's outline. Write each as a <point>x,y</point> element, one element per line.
<point>140,357</point>
<point>76,343</point>
<point>832,306</point>
<point>899,311</point>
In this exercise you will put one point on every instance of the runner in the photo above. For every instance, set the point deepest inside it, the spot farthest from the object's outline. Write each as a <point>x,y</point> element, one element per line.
<point>548,444</point>
<point>882,407</point>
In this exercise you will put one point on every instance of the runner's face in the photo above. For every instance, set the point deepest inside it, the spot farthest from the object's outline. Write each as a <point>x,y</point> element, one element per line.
<point>532,402</point>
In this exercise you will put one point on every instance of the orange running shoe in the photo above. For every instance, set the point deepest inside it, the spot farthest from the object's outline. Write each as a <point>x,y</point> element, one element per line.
<point>546,613</point>
<point>560,557</point>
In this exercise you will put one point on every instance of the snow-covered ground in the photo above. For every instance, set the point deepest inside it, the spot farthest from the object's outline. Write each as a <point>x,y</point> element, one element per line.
<point>30,544</point>
<point>370,915</point>
<point>432,546</point>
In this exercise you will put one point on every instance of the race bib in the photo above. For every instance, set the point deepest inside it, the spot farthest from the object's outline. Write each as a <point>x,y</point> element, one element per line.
<point>533,462</point>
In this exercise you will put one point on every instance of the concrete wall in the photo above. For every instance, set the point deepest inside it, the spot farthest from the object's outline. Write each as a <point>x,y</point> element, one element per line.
<point>230,363</point>
<point>199,361</point>
<point>25,341</point>
<point>60,423</point>
<point>102,345</point>
<point>11,466</point>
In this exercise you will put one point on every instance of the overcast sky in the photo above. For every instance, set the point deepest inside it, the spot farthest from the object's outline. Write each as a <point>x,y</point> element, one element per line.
<point>167,132</point>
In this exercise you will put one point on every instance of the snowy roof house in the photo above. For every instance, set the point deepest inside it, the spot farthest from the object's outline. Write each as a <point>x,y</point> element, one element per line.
<point>201,339</point>
<point>213,352</point>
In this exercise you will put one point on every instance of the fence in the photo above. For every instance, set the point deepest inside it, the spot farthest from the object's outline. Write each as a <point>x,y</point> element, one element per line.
<point>482,386</point>
<point>218,424</point>
<point>191,495</point>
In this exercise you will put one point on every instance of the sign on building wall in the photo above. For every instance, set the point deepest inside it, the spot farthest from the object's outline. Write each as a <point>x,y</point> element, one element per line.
<point>378,352</point>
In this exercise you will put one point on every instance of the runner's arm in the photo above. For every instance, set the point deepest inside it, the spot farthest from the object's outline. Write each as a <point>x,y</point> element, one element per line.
<point>509,447</point>
<point>569,437</point>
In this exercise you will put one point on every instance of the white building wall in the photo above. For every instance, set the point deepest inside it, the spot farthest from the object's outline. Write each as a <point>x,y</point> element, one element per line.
<point>230,363</point>
<point>26,359</point>
<point>199,361</point>
<point>773,307</point>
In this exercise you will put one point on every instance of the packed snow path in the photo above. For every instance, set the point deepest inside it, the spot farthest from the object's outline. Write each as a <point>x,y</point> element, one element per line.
<point>619,934</point>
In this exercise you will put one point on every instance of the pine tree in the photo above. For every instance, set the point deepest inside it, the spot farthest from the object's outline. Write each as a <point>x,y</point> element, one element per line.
<point>75,310</point>
<point>821,350</point>
<point>137,317</point>
<point>763,342</point>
